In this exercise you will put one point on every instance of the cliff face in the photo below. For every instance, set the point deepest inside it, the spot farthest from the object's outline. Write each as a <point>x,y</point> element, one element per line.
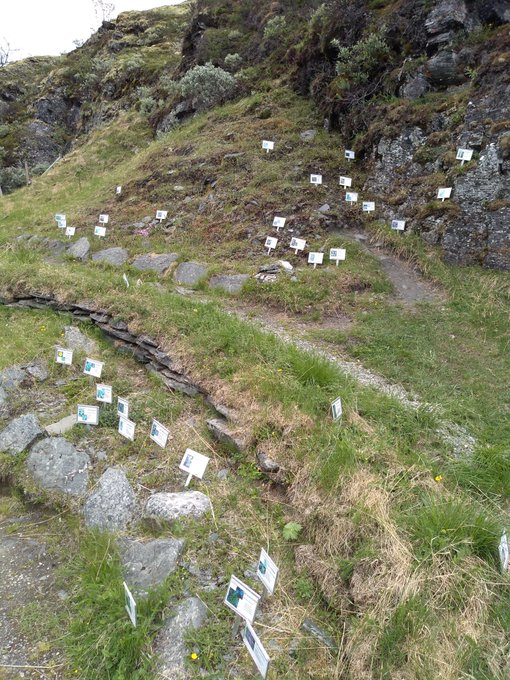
<point>407,83</point>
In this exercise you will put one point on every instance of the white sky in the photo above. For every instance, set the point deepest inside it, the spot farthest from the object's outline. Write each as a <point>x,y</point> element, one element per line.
<point>41,27</point>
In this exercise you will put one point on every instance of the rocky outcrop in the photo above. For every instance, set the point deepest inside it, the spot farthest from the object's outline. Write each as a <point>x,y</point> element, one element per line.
<point>56,465</point>
<point>112,506</point>
<point>148,563</point>
<point>19,434</point>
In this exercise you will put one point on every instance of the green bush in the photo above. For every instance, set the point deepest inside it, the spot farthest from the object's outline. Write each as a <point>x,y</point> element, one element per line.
<point>358,64</point>
<point>208,86</point>
<point>11,179</point>
<point>233,62</point>
<point>275,28</point>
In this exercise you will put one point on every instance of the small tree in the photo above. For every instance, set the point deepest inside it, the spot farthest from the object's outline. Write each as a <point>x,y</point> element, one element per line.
<point>5,52</point>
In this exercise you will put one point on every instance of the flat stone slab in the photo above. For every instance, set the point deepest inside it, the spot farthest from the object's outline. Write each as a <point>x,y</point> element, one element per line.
<point>56,465</point>
<point>12,377</point>
<point>114,256</point>
<point>37,370</point>
<point>79,249</point>
<point>231,283</point>
<point>169,506</point>
<point>75,339</point>
<point>170,646</point>
<point>190,273</point>
<point>148,564</point>
<point>154,263</point>
<point>19,434</point>
<point>112,506</point>
<point>62,426</point>
<point>222,433</point>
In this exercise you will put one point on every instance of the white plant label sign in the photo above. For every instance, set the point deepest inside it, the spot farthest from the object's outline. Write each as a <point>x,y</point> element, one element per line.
<point>118,190</point>
<point>464,155</point>
<point>242,599</point>
<point>298,244</point>
<point>270,244</point>
<point>122,407</point>
<point>279,222</point>
<point>368,206</point>
<point>130,604</point>
<point>337,255</point>
<point>127,428</point>
<point>87,415</point>
<point>315,259</point>
<point>161,214</point>
<point>346,182</point>
<point>103,219</point>
<point>267,572</point>
<point>256,650</point>
<point>349,154</point>
<point>267,145</point>
<point>93,367</point>
<point>194,464</point>
<point>316,179</point>
<point>398,225</point>
<point>59,217</point>
<point>70,231</point>
<point>64,356</point>
<point>99,231</point>
<point>351,197</point>
<point>504,553</point>
<point>159,434</point>
<point>336,409</point>
<point>104,393</point>
<point>62,224</point>
<point>444,192</point>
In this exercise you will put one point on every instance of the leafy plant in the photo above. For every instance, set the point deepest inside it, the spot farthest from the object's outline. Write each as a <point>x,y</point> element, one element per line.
<point>291,531</point>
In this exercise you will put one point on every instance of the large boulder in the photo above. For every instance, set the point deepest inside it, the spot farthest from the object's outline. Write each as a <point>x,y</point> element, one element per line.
<point>113,256</point>
<point>170,643</point>
<point>170,506</point>
<point>190,273</point>
<point>56,465</point>
<point>19,434</point>
<point>154,263</point>
<point>12,377</point>
<point>148,564</point>
<point>111,507</point>
<point>79,250</point>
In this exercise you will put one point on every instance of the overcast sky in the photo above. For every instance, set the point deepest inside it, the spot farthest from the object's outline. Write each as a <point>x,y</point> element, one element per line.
<point>40,27</point>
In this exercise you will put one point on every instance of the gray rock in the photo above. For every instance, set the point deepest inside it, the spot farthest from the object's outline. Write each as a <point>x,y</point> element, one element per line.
<point>148,564</point>
<point>222,475</point>
<point>308,135</point>
<point>415,87</point>
<point>79,249</point>
<point>190,273</point>
<point>230,283</point>
<point>155,263</point>
<point>56,465</point>
<point>170,645</point>
<point>112,506</point>
<point>325,208</point>
<point>12,377</point>
<point>38,370</point>
<point>222,433</point>
<point>75,339</point>
<point>115,256</point>
<point>19,434</point>
<point>62,426</point>
<point>3,401</point>
<point>308,626</point>
<point>170,506</point>
<point>442,69</point>
<point>265,463</point>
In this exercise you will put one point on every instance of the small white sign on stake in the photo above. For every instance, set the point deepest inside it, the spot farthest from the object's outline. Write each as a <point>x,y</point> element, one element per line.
<point>127,428</point>
<point>336,409</point>
<point>161,215</point>
<point>87,415</point>
<point>398,225</point>
<point>122,407</point>
<point>242,599</point>
<point>62,224</point>
<point>159,434</point>
<point>349,154</point>
<point>504,553</point>
<point>130,604</point>
<point>315,259</point>
<point>316,179</point>
<point>267,572</point>
<point>351,197</point>
<point>70,231</point>
<point>444,192</point>
<point>279,222</point>
<point>64,356</point>
<point>99,231</point>
<point>346,182</point>
<point>298,244</point>
<point>118,190</point>
<point>368,206</point>
<point>194,464</point>
<point>270,244</point>
<point>267,145</point>
<point>464,155</point>
<point>255,648</point>
<point>103,219</point>
<point>59,217</point>
<point>93,367</point>
<point>104,393</point>
<point>126,280</point>
<point>337,255</point>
